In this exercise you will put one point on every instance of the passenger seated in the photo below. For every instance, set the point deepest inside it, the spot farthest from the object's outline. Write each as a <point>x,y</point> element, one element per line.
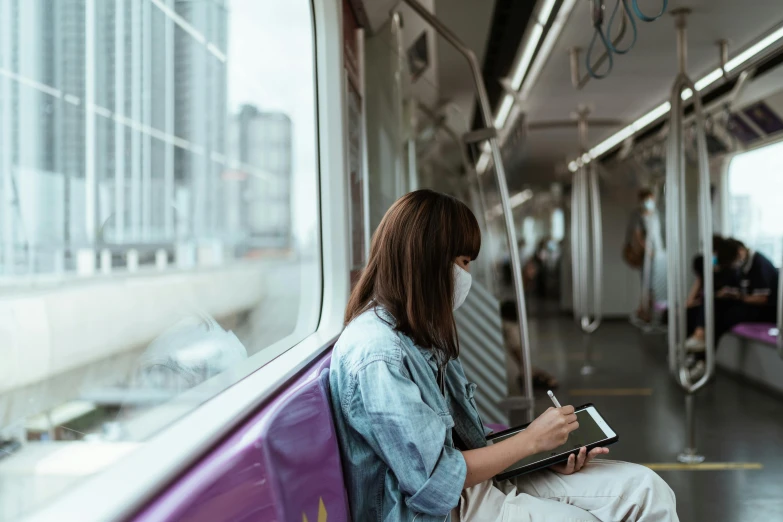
<point>748,295</point>
<point>721,278</point>
<point>510,317</point>
<point>412,441</point>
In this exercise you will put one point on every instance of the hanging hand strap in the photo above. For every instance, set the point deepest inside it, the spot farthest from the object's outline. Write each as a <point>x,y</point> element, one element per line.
<point>630,18</point>
<point>598,34</point>
<point>643,17</point>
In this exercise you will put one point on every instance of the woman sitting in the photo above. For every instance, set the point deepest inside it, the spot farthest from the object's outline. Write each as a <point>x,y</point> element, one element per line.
<point>412,441</point>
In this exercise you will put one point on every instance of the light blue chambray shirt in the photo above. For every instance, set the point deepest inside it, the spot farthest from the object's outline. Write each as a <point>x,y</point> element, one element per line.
<point>395,427</point>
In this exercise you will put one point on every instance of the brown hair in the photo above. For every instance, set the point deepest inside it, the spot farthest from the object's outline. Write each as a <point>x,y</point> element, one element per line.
<point>727,251</point>
<point>644,194</point>
<point>410,270</point>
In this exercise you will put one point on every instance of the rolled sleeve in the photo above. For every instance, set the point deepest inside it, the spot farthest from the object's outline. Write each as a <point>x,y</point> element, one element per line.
<point>410,437</point>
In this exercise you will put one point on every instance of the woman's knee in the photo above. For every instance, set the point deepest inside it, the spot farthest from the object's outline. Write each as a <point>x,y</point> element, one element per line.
<point>651,484</point>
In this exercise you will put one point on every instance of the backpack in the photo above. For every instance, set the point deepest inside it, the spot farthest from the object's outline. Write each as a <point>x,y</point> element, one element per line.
<point>633,251</point>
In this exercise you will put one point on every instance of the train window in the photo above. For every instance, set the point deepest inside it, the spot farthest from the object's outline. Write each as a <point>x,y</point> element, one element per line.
<point>529,235</point>
<point>755,212</point>
<point>558,224</point>
<point>159,231</point>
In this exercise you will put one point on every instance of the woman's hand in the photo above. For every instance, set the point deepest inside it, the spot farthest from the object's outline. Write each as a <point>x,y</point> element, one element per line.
<point>575,464</point>
<point>551,428</point>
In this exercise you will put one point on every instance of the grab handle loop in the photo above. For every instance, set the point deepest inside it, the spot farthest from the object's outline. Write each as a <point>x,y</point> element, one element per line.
<point>599,34</point>
<point>627,14</point>
<point>645,18</point>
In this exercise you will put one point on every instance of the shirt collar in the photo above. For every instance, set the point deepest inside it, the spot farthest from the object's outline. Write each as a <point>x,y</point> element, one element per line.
<point>428,354</point>
<point>748,262</point>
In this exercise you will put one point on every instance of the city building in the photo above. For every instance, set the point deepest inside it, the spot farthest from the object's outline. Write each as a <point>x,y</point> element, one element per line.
<point>261,142</point>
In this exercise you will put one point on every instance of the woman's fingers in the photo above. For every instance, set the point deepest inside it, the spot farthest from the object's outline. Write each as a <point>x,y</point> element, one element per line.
<point>596,452</point>
<point>576,462</point>
<point>570,466</point>
<point>581,458</point>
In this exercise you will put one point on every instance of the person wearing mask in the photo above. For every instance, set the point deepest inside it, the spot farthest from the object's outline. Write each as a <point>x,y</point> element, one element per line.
<point>413,444</point>
<point>644,251</point>
<point>747,292</point>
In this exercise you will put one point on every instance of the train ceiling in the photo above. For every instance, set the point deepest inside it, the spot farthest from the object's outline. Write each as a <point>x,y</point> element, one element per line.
<point>639,81</point>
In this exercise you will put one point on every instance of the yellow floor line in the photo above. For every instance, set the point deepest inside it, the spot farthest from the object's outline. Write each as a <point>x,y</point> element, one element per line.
<point>704,466</point>
<point>610,392</point>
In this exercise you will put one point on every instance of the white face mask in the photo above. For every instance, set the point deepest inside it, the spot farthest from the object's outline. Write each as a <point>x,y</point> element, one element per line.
<point>649,204</point>
<point>462,282</point>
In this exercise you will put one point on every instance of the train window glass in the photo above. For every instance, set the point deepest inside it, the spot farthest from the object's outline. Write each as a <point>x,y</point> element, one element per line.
<point>558,224</point>
<point>755,211</point>
<point>529,235</point>
<point>159,233</point>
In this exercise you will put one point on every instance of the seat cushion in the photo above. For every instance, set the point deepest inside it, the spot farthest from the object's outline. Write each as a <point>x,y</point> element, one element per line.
<point>763,332</point>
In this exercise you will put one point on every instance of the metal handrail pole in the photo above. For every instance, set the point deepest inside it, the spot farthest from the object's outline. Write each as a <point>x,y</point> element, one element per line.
<point>705,222</point>
<point>672,226</point>
<point>676,235</point>
<point>598,246</point>
<point>584,229</point>
<point>575,247</point>
<point>591,238</point>
<point>516,268</point>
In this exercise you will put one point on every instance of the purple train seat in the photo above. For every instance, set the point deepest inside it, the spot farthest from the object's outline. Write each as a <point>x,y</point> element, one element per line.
<point>282,465</point>
<point>764,332</point>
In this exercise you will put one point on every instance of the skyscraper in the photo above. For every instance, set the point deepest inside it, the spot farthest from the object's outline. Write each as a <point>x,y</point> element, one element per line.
<point>111,111</point>
<point>261,143</point>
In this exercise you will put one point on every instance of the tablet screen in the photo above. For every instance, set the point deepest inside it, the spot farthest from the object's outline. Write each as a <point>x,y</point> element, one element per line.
<point>592,429</point>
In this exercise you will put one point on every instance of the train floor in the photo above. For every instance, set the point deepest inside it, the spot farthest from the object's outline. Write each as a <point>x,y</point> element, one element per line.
<point>739,427</point>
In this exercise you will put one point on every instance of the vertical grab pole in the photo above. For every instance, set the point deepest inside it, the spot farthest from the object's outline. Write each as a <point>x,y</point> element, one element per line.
<point>576,256</point>
<point>584,248</point>
<point>672,224</point>
<point>590,229</point>
<point>598,246</point>
<point>675,230</point>
<point>516,265</point>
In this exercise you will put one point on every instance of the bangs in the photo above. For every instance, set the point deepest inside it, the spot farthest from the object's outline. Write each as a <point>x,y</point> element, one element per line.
<point>466,231</point>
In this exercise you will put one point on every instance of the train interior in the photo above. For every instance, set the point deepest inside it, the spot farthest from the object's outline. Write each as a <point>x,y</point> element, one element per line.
<point>190,188</point>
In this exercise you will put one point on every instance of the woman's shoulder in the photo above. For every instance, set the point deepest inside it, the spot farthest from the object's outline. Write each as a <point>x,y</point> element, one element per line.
<point>368,338</point>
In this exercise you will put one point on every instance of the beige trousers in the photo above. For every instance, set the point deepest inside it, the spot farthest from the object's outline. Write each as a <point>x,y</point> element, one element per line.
<point>603,491</point>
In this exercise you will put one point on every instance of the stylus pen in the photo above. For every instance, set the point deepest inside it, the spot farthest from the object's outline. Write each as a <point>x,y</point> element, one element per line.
<point>554,399</point>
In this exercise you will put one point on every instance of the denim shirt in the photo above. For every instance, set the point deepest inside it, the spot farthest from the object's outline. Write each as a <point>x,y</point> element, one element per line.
<point>395,427</point>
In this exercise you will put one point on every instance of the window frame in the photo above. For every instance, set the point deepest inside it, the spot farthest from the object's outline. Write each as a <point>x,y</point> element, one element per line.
<point>161,459</point>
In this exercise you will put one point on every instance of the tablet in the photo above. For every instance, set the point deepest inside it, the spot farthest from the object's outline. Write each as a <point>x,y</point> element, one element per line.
<point>593,432</point>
